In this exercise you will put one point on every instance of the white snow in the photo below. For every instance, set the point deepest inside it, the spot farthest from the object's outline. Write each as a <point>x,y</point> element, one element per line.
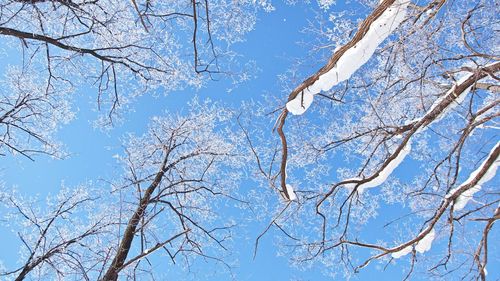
<point>301,103</point>
<point>458,100</point>
<point>384,174</point>
<point>422,246</point>
<point>467,195</point>
<point>464,198</point>
<point>425,244</point>
<point>354,57</point>
<point>405,251</point>
<point>291,193</point>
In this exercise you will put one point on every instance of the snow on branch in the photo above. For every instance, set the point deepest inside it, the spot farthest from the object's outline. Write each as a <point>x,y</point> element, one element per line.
<point>467,189</point>
<point>291,192</point>
<point>381,176</point>
<point>424,240</point>
<point>454,96</point>
<point>377,26</point>
<point>422,246</point>
<point>436,112</point>
<point>350,57</point>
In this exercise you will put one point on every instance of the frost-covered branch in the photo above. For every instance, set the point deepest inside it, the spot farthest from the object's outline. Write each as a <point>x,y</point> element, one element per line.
<point>423,241</point>
<point>52,236</point>
<point>30,115</point>
<point>125,48</point>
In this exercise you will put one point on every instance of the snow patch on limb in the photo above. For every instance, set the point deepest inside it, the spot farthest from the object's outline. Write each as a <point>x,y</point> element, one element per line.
<point>360,53</point>
<point>301,103</point>
<point>384,174</point>
<point>452,95</point>
<point>464,198</point>
<point>425,244</point>
<point>467,195</point>
<point>449,94</point>
<point>422,246</point>
<point>456,99</point>
<point>291,193</point>
<point>401,253</point>
<point>354,57</point>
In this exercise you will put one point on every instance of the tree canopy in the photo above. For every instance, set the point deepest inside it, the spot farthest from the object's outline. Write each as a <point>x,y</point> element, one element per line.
<point>370,145</point>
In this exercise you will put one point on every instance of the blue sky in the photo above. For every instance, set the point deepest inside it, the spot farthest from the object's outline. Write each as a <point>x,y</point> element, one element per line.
<point>273,45</point>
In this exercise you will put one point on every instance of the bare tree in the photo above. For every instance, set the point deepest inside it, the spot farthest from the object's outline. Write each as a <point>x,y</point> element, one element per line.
<point>166,205</point>
<point>179,171</point>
